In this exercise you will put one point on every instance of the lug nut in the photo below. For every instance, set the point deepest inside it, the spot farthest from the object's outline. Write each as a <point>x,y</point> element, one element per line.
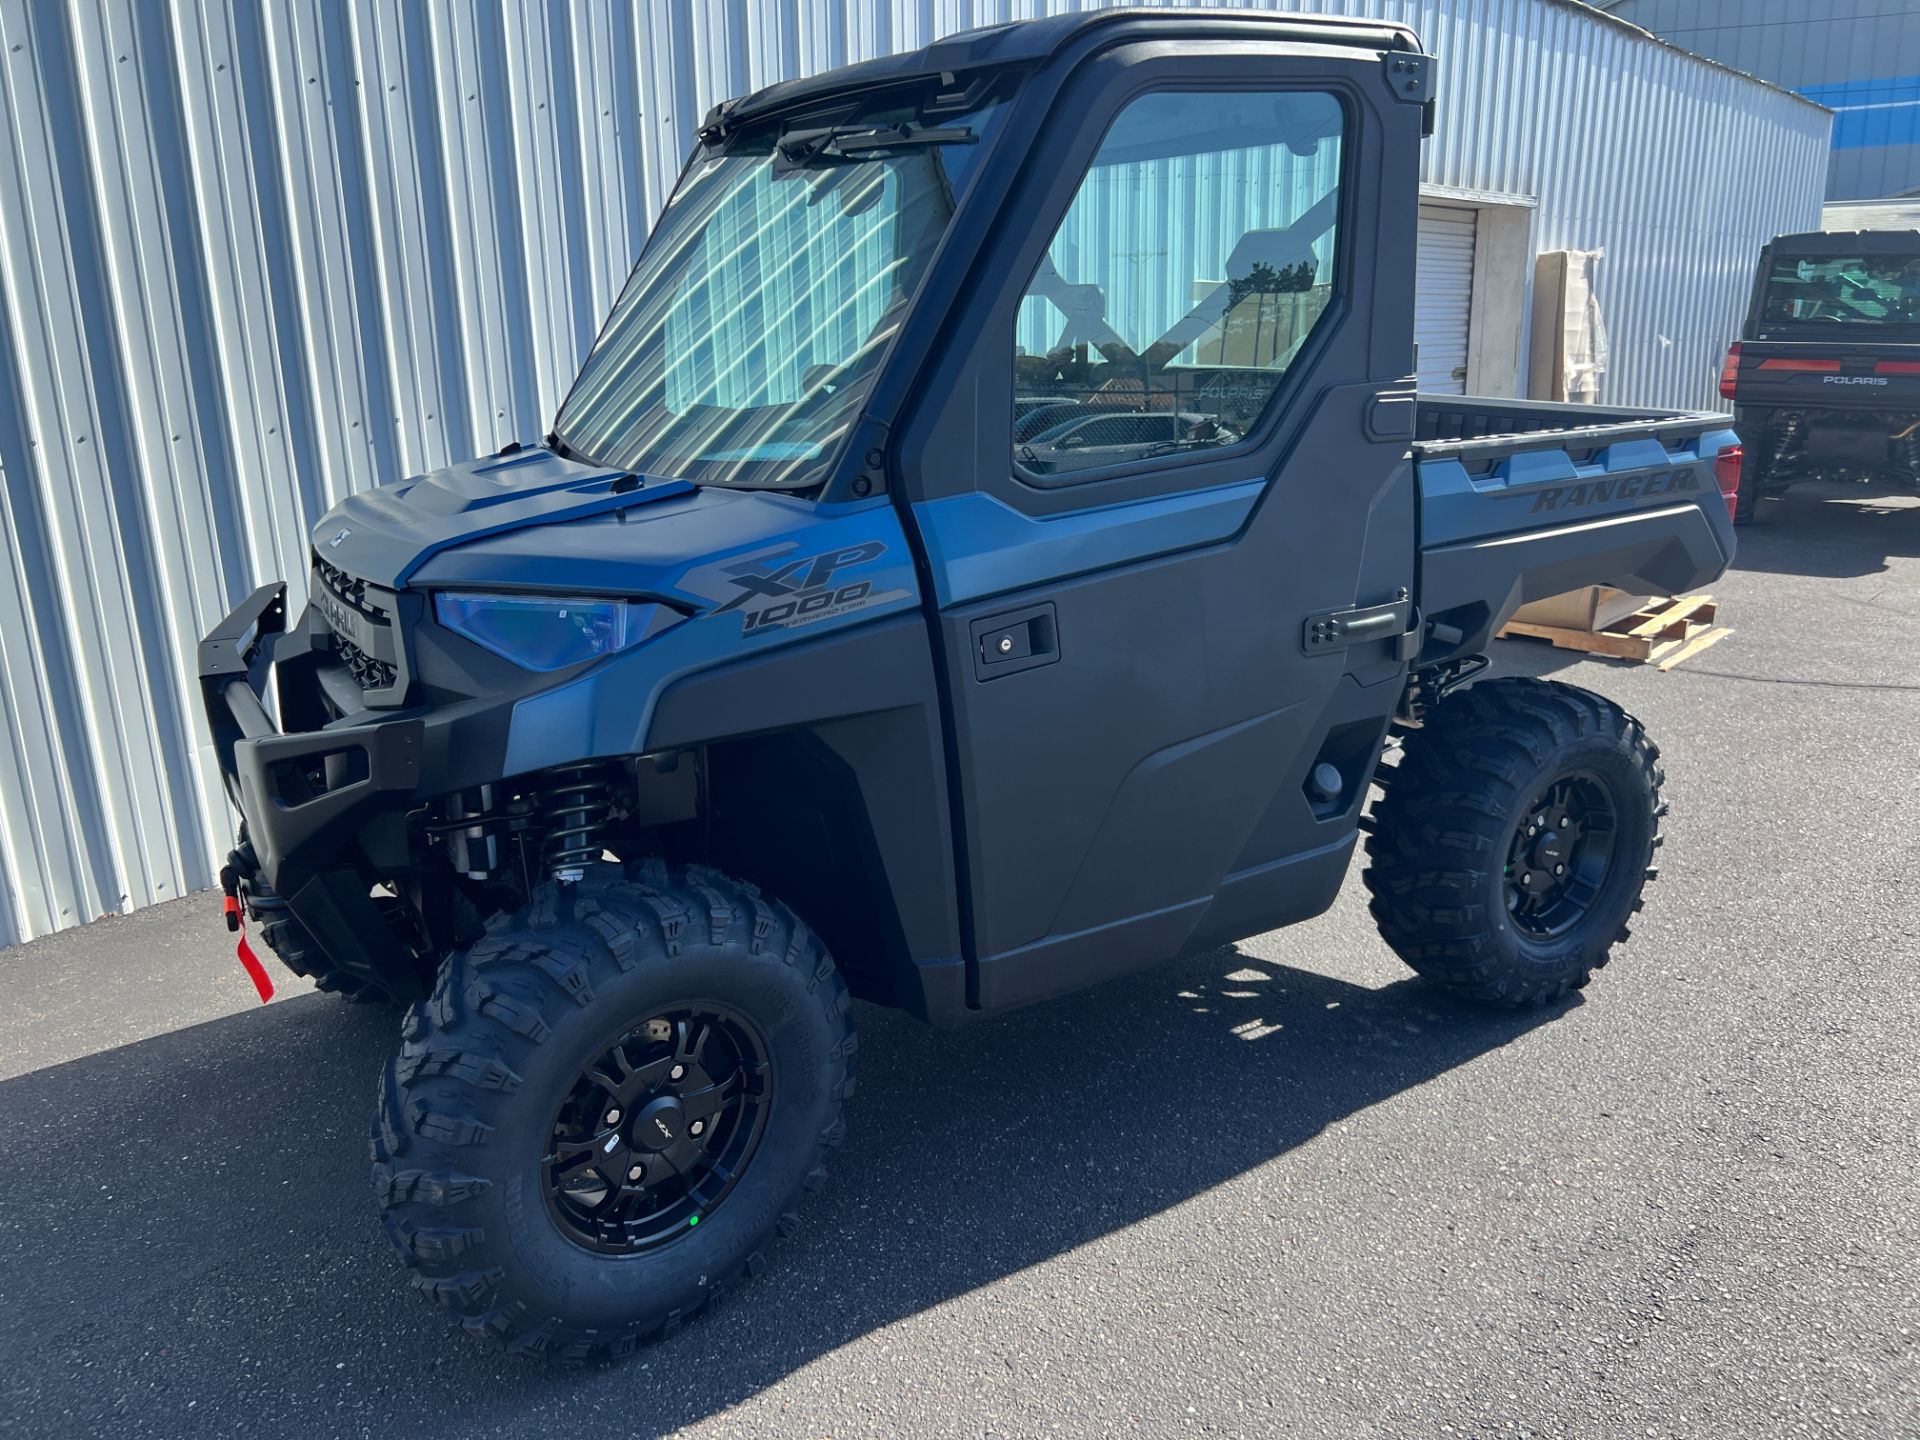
<point>1526,879</point>
<point>679,1072</point>
<point>697,1127</point>
<point>613,1116</point>
<point>1559,869</point>
<point>635,1173</point>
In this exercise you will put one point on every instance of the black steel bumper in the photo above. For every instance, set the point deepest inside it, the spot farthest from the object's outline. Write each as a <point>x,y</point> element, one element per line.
<point>305,795</point>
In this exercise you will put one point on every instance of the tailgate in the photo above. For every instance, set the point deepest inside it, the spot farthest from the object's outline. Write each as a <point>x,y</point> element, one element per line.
<point>1827,375</point>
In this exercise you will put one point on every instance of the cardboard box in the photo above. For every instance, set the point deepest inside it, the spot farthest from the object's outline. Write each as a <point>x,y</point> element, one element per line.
<point>1593,608</point>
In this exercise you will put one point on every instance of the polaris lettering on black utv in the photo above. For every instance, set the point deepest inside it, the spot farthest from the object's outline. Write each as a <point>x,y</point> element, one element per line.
<point>1825,379</point>
<point>986,551</point>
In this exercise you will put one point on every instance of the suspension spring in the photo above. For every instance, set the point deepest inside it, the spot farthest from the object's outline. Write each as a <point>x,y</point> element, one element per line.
<point>579,812</point>
<point>1787,438</point>
<point>1905,446</point>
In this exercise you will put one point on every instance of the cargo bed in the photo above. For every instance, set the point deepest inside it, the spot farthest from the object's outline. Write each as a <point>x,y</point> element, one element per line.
<point>1522,499</point>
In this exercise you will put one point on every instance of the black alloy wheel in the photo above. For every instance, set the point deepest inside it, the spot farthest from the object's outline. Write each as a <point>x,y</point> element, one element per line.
<point>657,1131</point>
<point>1561,852</point>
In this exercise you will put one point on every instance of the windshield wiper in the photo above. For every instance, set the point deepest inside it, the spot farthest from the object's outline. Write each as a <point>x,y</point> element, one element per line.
<point>804,147</point>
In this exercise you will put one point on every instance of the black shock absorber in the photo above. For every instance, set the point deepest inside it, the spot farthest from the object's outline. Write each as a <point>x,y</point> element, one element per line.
<point>1788,436</point>
<point>578,806</point>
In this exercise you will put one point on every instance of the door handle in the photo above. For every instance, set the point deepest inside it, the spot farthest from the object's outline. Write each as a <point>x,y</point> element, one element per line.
<point>1326,632</point>
<point>1017,640</point>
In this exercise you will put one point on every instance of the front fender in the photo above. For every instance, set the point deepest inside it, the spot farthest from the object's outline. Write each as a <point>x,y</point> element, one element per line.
<point>839,566</point>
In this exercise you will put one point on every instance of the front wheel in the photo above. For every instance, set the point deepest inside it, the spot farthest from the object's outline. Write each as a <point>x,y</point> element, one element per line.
<point>609,1107</point>
<point>1515,839</point>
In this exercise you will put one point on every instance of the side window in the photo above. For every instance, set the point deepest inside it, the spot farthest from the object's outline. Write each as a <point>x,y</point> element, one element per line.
<point>1192,266</point>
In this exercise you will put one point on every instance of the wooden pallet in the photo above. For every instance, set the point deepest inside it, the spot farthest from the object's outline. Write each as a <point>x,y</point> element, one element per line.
<point>1662,632</point>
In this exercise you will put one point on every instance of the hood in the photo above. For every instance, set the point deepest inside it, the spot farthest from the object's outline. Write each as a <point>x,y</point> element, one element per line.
<point>386,535</point>
<point>534,522</point>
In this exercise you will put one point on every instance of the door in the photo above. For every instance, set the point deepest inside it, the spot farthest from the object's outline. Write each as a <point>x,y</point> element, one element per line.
<point>1205,291</point>
<point>1444,296</point>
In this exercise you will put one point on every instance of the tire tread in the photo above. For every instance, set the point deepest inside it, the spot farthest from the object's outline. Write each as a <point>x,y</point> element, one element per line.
<point>1444,818</point>
<point>465,1046</point>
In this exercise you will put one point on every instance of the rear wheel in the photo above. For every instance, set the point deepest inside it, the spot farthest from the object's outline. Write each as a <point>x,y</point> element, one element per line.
<point>1515,839</point>
<point>610,1106</point>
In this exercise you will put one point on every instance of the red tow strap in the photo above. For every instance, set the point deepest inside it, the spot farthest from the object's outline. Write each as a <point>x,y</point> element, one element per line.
<point>249,962</point>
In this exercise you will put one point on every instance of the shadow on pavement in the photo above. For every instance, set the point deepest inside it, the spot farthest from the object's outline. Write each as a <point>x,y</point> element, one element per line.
<point>189,1226</point>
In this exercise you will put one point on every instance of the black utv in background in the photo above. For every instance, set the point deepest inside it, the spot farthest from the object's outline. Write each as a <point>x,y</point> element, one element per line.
<point>1825,379</point>
<point>989,549</point>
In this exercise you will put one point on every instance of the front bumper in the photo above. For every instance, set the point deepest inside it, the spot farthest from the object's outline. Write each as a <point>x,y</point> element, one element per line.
<point>306,796</point>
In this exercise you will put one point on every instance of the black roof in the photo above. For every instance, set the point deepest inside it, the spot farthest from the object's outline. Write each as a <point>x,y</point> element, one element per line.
<point>1849,242</point>
<point>1025,42</point>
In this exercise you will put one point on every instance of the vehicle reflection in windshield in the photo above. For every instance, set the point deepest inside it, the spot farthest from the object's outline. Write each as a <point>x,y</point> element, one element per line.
<point>1190,270</point>
<point>747,338</point>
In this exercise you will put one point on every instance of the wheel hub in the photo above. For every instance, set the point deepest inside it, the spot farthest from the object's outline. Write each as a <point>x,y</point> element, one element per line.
<point>657,1130</point>
<point>660,1125</point>
<point>1562,851</point>
<point>1551,849</point>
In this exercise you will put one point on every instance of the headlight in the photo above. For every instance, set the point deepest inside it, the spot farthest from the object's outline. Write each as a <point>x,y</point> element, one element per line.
<point>550,632</point>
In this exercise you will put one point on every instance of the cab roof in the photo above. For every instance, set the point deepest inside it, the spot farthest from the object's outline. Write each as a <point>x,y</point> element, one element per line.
<point>1848,242</point>
<point>1029,42</point>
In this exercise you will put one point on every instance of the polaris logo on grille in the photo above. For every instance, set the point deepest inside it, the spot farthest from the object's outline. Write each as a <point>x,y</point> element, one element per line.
<point>347,622</point>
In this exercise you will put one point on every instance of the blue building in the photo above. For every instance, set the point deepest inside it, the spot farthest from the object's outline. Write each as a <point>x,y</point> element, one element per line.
<point>1859,58</point>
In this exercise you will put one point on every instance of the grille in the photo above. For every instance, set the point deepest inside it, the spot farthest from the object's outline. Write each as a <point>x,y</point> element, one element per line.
<point>352,589</point>
<point>370,672</point>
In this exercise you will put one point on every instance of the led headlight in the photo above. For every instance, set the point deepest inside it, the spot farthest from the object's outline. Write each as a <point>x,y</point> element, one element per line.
<point>550,632</point>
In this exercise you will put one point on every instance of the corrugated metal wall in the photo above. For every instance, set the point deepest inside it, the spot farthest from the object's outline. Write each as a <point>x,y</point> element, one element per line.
<point>261,253</point>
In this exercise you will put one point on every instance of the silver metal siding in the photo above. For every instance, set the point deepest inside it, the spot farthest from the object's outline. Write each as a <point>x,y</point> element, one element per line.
<point>259,254</point>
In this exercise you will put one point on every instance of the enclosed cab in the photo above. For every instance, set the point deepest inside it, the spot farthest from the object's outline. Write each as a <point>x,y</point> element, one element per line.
<point>1825,379</point>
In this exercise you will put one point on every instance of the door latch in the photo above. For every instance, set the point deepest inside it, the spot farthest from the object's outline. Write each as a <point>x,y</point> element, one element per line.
<point>1326,631</point>
<point>1019,640</point>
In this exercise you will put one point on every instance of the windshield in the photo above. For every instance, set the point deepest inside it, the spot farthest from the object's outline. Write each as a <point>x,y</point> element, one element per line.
<point>1843,291</point>
<point>748,336</point>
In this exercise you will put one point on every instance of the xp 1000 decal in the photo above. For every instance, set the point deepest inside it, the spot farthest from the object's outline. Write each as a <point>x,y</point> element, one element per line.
<point>778,590</point>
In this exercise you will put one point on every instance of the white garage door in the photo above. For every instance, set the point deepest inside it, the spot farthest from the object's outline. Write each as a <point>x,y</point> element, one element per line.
<point>1443,296</point>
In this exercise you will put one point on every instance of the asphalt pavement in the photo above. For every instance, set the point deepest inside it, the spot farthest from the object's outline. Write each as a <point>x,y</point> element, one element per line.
<point>1281,1189</point>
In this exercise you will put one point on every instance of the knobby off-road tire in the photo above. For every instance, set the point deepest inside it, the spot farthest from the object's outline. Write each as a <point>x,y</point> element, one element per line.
<point>294,946</point>
<point>521,1036</point>
<point>1451,843</point>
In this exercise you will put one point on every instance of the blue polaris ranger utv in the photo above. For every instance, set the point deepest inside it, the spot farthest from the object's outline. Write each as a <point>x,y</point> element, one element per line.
<point>987,550</point>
